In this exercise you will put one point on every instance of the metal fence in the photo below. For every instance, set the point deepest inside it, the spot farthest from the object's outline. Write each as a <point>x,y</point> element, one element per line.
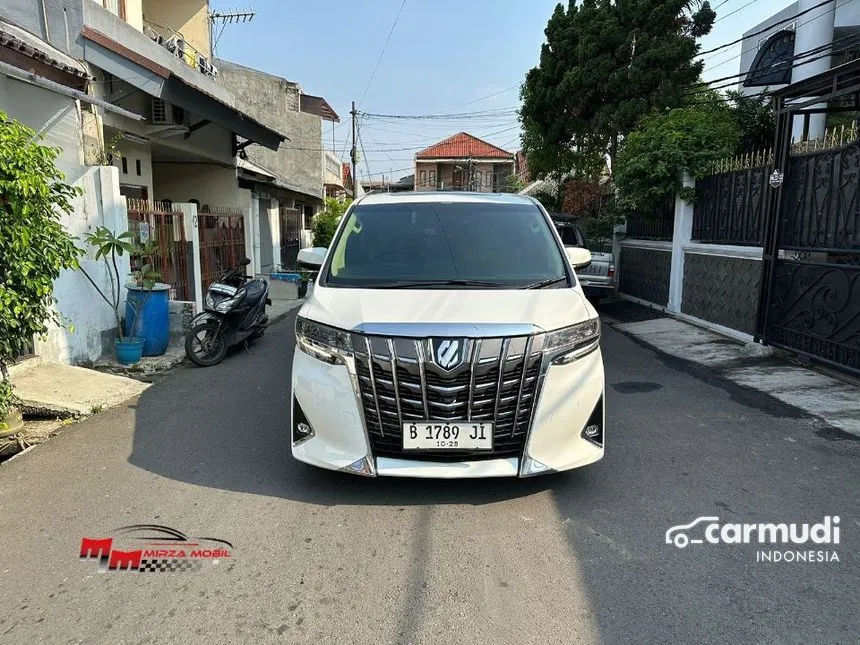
<point>289,220</point>
<point>222,241</point>
<point>730,207</point>
<point>158,222</point>
<point>656,226</point>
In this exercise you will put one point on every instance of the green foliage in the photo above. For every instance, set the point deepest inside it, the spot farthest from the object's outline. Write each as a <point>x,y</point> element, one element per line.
<point>550,201</point>
<point>514,184</point>
<point>34,246</point>
<point>604,65</point>
<point>325,222</point>
<point>756,120</point>
<point>653,159</point>
<point>109,246</point>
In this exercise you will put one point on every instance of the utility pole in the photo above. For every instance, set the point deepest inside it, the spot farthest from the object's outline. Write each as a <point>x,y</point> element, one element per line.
<point>353,154</point>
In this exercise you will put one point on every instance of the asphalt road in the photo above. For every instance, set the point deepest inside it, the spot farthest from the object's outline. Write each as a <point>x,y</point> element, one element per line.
<point>330,558</point>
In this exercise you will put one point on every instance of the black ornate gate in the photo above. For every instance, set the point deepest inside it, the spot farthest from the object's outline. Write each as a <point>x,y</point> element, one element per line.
<point>813,299</point>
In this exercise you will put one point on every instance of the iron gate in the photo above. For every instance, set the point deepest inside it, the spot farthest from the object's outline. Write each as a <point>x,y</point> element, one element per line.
<point>160,223</point>
<point>290,226</point>
<point>811,286</point>
<point>222,242</point>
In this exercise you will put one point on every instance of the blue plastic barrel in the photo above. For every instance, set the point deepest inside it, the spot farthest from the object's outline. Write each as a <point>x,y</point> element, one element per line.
<point>153,319</point>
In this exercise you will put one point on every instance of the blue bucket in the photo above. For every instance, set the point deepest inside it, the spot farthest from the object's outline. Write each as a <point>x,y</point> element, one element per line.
<point>153,318</point>
<point>128,350</point>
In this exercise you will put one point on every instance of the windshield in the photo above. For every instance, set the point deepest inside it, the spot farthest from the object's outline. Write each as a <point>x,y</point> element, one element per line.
<point>458,244</point>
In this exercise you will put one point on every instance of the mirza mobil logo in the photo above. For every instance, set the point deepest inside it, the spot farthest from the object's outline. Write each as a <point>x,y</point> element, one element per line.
<point>779,542</point>
<point>149,547</point>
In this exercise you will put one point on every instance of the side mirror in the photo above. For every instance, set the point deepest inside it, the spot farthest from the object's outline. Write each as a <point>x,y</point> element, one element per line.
<point>578,257</point>
<point>311,258</point>
<point>245,262</point>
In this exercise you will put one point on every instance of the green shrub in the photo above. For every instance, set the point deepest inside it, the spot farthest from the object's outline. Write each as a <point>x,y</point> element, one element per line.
<point>34,246</point>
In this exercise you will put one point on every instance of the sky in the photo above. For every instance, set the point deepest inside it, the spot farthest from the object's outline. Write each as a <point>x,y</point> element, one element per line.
<point>444,56</point>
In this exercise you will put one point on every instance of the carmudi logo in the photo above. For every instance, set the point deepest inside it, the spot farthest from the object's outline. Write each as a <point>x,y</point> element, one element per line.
<point>823,536</point>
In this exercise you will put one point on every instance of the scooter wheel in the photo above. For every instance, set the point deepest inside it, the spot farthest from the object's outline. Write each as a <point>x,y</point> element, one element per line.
<point>205,345</point>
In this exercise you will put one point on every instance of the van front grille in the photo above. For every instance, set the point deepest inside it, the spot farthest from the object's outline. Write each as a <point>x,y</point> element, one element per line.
<point>400,382</point>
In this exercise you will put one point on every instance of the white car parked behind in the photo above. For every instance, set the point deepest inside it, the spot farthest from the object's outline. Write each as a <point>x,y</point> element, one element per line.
<point>447,336</point>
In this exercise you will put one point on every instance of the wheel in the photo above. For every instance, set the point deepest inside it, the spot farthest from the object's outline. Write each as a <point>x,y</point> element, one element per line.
<point>205,345</point>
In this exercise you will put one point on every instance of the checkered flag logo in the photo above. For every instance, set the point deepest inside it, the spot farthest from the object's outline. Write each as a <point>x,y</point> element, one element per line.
<point>170,564</point>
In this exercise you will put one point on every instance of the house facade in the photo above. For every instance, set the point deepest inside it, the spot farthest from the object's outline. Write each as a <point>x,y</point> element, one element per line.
<point>288,185</point>
<point>127,91</point>
<point>803,39</point>
<point>463,162</point>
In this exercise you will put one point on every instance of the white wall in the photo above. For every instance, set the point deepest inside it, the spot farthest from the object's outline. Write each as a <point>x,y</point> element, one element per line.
<point>90,322</point>
<point>208,183</point>
<point>88,319</point>
<point>132,153</point>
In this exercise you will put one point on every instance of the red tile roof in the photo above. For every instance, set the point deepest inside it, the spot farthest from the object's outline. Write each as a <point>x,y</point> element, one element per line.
<point>463,145</point>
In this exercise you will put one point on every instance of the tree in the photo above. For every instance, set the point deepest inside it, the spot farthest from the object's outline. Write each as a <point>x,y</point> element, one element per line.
<point>756,119</point>
<point>325,223</point>
<point>34,246</point>
<point>654,158</point>
<point>604,65</point>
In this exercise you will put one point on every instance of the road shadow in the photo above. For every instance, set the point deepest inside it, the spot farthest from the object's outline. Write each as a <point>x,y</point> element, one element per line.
<point>687,449</point>
<point>226,427</point>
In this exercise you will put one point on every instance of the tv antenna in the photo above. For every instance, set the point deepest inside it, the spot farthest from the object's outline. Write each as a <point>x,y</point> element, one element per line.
<point>224,18</point>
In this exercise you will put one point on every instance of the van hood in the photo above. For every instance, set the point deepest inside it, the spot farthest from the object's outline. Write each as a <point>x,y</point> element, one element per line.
<point>549,309</point>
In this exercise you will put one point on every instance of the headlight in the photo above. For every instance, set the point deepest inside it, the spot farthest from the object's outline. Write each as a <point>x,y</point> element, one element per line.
<point>328,344</point>
<point>570,343</point>
<point>226,305</point>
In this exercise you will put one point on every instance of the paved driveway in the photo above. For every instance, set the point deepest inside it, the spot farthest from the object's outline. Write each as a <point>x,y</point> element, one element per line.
<point>328,558</point>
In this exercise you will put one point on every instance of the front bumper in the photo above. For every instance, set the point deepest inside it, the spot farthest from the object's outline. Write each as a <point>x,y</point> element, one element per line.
<point>325,400</point>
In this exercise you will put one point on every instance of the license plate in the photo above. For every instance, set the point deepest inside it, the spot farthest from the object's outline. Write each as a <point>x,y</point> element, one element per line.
<point>451,435</point>
<point>593,269</point>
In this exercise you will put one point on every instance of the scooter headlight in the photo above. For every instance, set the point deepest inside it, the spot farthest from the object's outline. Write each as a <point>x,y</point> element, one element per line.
<point>328,344</point>
<point>226,305</point>
<point>568,344</point>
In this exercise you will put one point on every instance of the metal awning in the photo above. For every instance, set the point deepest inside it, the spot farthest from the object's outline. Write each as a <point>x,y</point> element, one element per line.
<point>158,81</point>
<point>834,83</point>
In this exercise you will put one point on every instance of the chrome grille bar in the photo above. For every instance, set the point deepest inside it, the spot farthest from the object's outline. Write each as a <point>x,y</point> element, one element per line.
<point>527,357</point>
<point>373,383</point>
<point>393,358</point>
<point>419,352</point>
<point>473,367</point>
<point>503,357</point>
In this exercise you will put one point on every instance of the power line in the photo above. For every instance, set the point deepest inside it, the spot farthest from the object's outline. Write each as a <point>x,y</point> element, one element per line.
<point>766,29</point>
<point>382,53</point>
<point>755,47</point>
<point>828,48</point>
<point>496,112</point>
<point>731,13</point>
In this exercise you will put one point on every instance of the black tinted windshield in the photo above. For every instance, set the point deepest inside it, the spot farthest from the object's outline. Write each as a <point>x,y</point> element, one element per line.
<point>485,244</point>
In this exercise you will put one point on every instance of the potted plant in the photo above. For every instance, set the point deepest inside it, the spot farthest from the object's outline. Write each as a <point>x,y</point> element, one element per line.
<point>109,246</point>
<point>34,249</point>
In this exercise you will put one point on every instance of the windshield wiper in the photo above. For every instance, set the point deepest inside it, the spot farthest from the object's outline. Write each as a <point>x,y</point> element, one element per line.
<point>411,284</point>
<point>545,283</point>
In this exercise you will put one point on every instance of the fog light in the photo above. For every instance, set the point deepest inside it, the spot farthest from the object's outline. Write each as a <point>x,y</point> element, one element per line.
<point>301,428</point>
<point>593,430</point>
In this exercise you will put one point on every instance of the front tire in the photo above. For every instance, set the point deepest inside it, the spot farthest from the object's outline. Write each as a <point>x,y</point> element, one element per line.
<point>208,350</point>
